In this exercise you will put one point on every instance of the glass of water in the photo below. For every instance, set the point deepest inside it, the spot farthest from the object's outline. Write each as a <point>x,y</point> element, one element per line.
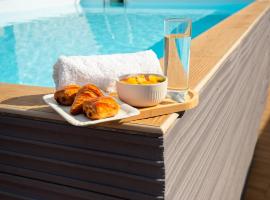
<point>177,41</point>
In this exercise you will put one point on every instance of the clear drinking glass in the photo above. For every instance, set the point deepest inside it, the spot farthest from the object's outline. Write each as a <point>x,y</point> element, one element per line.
<point>177,41</point>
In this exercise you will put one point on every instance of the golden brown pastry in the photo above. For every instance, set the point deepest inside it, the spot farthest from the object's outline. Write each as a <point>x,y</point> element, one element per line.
<point>66,95</point>
<point>87,92</point>
<point>100,108</point>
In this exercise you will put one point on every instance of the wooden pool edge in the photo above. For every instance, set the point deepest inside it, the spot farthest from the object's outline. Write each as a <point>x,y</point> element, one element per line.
<point>247,19</point>
<point>208,51</point>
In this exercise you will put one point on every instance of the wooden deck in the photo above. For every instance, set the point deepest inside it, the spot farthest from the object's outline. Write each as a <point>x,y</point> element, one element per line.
<point>204,155</point>
<point>208,52</point>
<point>258,180</point>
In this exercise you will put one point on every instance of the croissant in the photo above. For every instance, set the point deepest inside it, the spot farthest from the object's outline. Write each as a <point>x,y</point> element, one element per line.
<point>100,108</point>
<point>66,95</point>
<point>87,92</point>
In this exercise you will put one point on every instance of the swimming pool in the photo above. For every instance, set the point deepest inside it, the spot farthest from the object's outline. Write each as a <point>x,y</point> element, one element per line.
<point>31,40</point>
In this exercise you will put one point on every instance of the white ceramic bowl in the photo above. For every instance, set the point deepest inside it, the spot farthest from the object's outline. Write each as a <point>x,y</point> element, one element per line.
<point>142,95</point>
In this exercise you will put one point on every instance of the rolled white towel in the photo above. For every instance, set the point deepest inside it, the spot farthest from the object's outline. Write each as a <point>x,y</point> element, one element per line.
<point>103,70</point>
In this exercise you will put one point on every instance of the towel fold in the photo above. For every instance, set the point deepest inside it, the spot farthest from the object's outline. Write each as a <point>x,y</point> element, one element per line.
<point>103,70</point>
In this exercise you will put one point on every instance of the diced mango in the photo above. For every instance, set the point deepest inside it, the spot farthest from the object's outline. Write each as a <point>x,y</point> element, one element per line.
<point>130,80</point>
<point>143,79</point>
<point>152,78</point>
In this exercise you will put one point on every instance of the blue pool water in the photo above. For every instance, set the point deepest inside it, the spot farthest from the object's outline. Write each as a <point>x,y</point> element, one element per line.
<point>31,42</point>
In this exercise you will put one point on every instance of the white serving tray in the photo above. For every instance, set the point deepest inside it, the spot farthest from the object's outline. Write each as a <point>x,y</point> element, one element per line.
<point>80,120</point>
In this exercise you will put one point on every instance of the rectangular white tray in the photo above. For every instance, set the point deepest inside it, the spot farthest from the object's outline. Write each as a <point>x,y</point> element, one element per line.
<point>80,120</point>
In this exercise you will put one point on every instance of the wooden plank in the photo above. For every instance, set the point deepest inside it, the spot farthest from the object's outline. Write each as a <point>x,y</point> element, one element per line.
<point>91,158</point>
<point>206,52</point>
<point>11,196</point>
<point>132,145</point>
<point>84,173</point>
<point>168,106</point>
<point>208,151</point>
<point>74,183</point>
<point>36,189</point>
<point>255,194</point>
<point>27,101</point>
<point>32,102</point>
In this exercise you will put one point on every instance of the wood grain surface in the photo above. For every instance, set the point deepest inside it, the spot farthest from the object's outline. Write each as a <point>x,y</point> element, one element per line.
<point>207,53</point>
<point>208,151</point>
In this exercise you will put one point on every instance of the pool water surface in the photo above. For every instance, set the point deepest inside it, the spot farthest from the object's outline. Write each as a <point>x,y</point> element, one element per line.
<point>31,42</point>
